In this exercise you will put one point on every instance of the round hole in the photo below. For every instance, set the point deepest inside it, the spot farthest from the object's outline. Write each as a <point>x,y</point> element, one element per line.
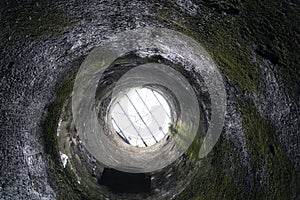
<point>141,117</point>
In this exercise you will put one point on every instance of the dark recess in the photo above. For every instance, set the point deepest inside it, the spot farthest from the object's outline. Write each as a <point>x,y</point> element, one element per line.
<point>272,150</point>
<point>124,182</point>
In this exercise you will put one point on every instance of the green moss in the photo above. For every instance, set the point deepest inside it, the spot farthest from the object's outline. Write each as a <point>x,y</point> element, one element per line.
<point>266,154</point>
<point>63,179</point>
<point>239,42</point>
<point>178,131</point>
<point>250,29</point>
<point>273,174</point>
<point>231,57</point>
<point>193,150</point>
<point>275,25</point>
<point>51,123</point>
<point>214,179</point>
<point>233,39</point>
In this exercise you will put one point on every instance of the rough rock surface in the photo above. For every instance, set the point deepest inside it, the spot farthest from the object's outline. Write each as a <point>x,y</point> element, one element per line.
<point>255,44</point>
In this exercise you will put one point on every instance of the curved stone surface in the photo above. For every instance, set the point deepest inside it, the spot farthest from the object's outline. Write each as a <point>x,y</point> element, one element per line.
<point>255,45</point>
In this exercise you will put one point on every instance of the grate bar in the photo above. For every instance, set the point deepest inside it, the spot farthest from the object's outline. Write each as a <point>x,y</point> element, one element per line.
<point>120,130</point>
<point>141,117</point>
<point>149,111</point>
<point>132,125</point>
<point>161,104</point>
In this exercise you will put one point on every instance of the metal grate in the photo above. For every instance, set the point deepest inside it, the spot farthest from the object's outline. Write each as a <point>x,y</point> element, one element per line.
<point>141,117</point>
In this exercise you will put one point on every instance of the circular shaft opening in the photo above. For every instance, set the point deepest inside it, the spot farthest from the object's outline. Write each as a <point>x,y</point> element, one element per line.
<point>141,117</point>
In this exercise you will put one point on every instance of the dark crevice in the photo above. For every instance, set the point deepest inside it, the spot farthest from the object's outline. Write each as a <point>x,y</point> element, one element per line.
<point>272,150</point>
<point>124,182</point>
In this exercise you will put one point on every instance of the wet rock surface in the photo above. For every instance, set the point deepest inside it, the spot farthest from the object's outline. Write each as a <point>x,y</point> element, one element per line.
<point>255,44</point>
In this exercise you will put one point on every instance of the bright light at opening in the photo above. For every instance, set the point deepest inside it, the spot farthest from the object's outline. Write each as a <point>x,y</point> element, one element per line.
<point>141,117</point>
